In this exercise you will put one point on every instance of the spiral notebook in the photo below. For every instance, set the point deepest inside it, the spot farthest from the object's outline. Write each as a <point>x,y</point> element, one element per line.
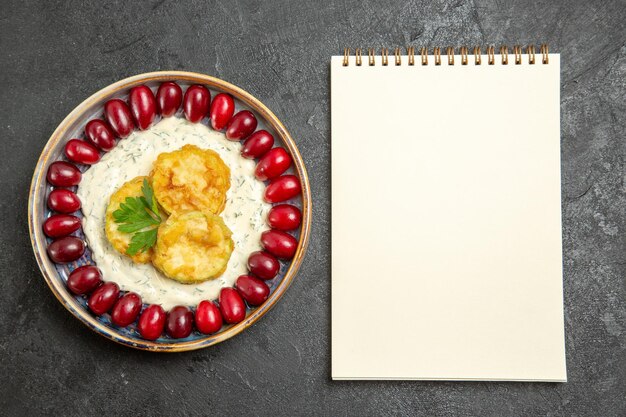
<point>446,215</point>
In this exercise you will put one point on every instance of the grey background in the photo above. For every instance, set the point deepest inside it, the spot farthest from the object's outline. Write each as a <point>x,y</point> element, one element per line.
<point>54,54</point>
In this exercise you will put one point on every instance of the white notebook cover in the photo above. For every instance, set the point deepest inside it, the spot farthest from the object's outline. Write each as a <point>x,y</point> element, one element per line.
<point>446,221</point>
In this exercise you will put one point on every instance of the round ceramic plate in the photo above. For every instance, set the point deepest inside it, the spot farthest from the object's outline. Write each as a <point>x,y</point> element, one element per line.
<point>73,127</point>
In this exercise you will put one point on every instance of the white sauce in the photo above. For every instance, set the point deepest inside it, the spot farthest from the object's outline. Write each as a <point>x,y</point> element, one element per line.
<point>244,214</point>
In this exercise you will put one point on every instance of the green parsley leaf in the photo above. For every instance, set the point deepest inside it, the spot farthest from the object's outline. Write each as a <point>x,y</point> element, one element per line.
<point>142,241</point>
<point>148,197</point>
<point>140,216</point>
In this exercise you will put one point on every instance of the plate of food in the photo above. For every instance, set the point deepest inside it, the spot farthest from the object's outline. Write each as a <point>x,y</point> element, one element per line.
<point>170,211</point>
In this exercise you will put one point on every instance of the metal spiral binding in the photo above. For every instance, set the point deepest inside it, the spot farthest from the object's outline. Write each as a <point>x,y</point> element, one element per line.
<point>449,51</point>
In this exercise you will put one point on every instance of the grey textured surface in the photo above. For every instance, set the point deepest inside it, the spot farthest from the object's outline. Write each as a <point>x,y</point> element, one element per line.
<point>53,54</point>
